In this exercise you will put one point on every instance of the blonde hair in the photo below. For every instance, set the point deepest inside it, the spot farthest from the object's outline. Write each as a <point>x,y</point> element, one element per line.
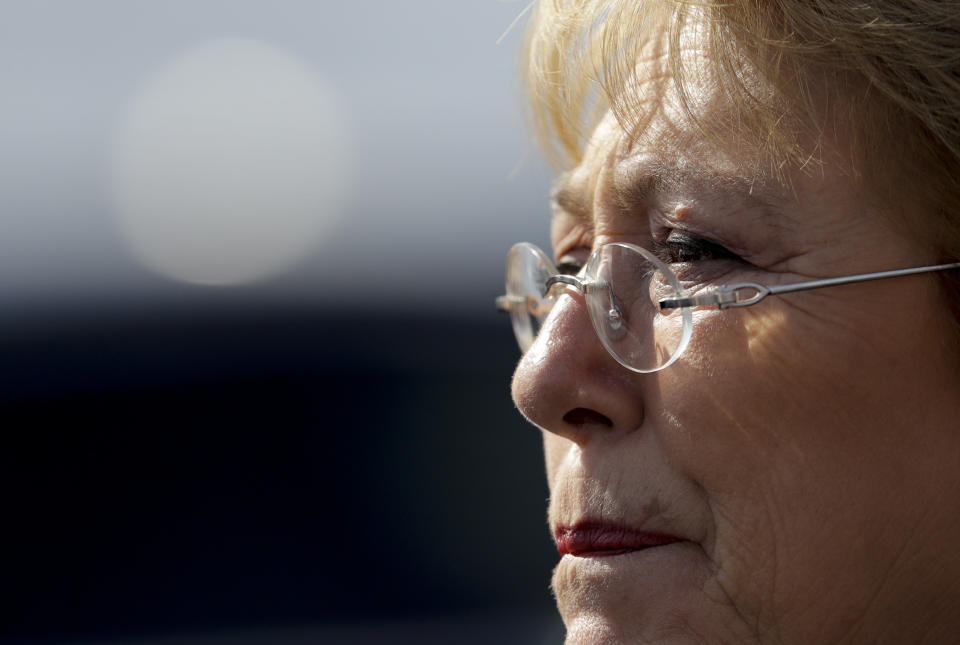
<point>891,69</point>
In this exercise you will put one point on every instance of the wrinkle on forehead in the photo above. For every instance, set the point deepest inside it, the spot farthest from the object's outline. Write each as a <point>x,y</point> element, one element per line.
<point>675,129</point>
<point>673,99</point>
<point>573,191</point>
<point>668,149</point>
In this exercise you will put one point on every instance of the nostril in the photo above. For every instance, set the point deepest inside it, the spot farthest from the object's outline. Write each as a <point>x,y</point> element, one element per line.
<point>580,417</point>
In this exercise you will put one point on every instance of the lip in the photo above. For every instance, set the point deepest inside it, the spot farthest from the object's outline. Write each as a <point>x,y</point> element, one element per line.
<point>600,539</point>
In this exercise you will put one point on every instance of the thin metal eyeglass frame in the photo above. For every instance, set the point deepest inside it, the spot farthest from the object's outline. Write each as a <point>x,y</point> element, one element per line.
<point>731,295</point>
<point>610,318</point>
<point>743,294</point>
<point>508,304</point>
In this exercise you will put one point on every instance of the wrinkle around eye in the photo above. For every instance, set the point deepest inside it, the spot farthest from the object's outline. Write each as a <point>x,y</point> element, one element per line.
<point>712,272</point>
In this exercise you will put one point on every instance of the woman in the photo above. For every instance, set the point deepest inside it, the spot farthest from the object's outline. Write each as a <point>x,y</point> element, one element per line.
<point>783,467</point>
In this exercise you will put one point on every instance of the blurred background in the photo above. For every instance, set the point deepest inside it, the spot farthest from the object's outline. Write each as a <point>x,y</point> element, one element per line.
<point>252,385</point>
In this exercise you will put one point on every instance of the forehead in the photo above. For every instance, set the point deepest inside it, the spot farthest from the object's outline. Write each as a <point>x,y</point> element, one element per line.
<point>659,139</point>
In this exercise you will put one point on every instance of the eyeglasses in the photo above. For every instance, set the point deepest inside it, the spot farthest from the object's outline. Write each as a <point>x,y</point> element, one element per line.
<point>635,301</point>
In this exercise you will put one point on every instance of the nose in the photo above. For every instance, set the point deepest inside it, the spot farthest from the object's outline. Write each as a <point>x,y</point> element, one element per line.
<point>568,384</point>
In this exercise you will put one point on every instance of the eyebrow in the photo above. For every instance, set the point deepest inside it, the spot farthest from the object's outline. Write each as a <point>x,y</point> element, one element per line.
<point>570,201</point>
<point>631,188</point>
<point>628,188</point>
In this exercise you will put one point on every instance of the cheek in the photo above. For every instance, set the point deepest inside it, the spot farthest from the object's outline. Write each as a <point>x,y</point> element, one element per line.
<point>767,399</point>
<point>759,375</point>
<point>728,426</point>
<point>793,423</point>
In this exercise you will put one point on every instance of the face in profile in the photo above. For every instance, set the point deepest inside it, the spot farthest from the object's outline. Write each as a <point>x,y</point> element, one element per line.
<point>792,476</point>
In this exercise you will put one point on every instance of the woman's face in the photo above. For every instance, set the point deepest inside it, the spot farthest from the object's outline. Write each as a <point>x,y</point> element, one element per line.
<point>795,471</point>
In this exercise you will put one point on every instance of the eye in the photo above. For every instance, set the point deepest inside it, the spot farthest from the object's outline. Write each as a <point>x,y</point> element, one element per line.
<point>684,247</point>
<point>569,265</point>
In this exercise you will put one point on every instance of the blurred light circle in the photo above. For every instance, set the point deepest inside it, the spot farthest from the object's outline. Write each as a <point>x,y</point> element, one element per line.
<point>230,164</point>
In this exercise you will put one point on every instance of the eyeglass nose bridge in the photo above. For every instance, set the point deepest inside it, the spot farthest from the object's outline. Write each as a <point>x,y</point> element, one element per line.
<point>614,315</point>
<point>576,283</point>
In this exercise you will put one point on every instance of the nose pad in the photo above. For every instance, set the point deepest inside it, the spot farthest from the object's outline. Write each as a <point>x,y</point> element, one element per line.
<point>613,322</point>
<point>567,383</point>
<point>614,318</point>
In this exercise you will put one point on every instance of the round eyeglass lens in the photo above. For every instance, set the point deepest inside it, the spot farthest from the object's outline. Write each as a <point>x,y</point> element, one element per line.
<point>527,271</point>
<point>625,284</point>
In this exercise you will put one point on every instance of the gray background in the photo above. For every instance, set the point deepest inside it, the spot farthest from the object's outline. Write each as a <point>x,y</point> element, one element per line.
<point>446,177</point>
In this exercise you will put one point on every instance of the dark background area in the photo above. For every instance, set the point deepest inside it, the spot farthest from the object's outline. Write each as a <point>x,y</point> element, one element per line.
<point>173,473</point>
<point>202,446</point>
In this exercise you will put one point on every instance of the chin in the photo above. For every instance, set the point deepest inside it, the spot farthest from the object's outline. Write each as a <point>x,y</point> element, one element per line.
<point>663,594</point>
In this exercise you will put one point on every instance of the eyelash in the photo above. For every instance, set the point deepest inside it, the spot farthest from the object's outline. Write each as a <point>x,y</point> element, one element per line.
<point>683,248</point>
<point>569,267</point>
<point>677,249</point>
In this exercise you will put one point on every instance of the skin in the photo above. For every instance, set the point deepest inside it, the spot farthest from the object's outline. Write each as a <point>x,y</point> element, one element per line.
<point>806,449</point>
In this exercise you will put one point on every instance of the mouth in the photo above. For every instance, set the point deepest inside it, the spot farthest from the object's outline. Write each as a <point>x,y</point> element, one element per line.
<point>600,539</point>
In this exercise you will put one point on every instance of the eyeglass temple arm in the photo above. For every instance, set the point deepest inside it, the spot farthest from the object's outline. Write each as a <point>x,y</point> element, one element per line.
<point>745,294</point>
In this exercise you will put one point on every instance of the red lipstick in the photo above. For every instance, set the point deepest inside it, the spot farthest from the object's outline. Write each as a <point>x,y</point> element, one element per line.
<point>599,539</point>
